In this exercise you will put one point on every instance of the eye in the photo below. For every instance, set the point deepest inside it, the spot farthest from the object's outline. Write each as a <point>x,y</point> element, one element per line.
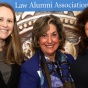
<point>10,20</point>
<point>44,35</point>
<point>55,34</point>
<point>1,19</point>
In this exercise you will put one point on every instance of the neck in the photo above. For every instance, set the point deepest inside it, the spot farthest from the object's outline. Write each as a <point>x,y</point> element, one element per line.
<point>51,57</point>
<point>2,43</point>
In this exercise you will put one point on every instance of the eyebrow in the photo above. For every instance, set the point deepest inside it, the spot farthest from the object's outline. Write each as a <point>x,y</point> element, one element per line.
<point>55,32</point>
<point>7,18</point>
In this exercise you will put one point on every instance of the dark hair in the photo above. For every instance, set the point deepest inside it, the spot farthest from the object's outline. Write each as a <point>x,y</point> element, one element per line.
<point>41,26</point>
<point>82,19</point>
<point>12,50</point>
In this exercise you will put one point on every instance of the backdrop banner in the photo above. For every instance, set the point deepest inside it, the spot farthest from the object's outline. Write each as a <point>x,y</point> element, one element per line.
<point>47,5</point>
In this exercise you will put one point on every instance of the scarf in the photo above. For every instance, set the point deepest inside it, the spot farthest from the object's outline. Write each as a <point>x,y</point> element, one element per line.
<point>63,69</point>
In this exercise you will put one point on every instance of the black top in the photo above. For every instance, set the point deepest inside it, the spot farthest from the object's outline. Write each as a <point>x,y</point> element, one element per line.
<point>79,71</point>
<point>14,78</point>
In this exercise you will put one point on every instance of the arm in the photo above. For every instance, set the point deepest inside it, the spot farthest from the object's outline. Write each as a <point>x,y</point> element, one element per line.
<point>28,79</point>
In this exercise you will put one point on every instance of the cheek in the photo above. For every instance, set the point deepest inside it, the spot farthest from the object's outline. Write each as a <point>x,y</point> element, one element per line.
<point>56,40</point>
<point>11,26</point>
<point>41,41</point>
<point>86,32</point>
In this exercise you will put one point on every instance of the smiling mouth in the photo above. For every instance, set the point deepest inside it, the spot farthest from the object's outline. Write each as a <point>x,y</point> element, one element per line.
<point>49,46</point>
<point>3,30</point>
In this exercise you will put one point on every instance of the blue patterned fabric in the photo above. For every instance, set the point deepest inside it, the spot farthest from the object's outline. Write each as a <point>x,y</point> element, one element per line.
<point>62,65</point>
<point>34,76</point>
<point>55,78</point>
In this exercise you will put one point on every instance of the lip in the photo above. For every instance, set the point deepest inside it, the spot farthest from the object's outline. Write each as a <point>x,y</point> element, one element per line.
<point>3,30</point>
<point>49,46</point>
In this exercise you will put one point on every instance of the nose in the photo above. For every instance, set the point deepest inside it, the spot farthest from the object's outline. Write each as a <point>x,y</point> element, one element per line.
<point>49,39</point>
<point>5,24</point>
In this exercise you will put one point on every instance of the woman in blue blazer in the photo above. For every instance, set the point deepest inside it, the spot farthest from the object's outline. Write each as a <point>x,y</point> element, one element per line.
<point>48,67</point>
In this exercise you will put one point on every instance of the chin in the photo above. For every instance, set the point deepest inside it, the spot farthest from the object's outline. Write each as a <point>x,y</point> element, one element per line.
<point>51,54</point>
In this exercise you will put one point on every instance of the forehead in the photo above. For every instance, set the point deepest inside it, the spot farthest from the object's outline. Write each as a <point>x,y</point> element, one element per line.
<point>6,12</point>
<point>52,28</point>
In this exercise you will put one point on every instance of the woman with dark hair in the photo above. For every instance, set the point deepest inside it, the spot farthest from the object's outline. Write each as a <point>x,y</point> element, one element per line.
<point>48,67</point>
<point>11,55</point>
<point>79,69</point>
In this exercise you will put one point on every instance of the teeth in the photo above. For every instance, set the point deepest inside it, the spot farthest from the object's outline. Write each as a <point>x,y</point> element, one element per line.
<point>3,31</point>
<point>49,46</point>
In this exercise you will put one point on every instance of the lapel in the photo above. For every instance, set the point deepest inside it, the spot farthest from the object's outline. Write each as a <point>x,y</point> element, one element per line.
<point>41,72</point>
<point>12,83</point>
<point>15,73</point>
<point>2,83</point>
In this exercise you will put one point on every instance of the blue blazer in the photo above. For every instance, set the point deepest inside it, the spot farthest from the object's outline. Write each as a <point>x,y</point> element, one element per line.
<point>31,70</point>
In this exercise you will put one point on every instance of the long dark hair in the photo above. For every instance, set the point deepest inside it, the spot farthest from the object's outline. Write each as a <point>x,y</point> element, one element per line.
<point>82,19</point>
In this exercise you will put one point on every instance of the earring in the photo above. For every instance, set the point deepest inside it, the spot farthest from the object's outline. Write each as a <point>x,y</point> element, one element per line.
<point>11,34</point>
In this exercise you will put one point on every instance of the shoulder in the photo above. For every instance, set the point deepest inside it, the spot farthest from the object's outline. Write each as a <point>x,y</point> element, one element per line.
<point>31,63</point>
<point>70,58</point>
<point>15,66</point>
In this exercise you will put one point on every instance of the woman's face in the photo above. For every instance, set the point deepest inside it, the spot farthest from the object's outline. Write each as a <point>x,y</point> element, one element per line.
<point>49,42</point>
<point>6,22</point>
<point>86,29</point>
